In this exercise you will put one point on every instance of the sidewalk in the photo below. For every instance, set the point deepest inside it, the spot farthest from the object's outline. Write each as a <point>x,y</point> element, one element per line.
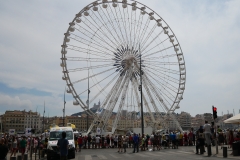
<point>220,152</point>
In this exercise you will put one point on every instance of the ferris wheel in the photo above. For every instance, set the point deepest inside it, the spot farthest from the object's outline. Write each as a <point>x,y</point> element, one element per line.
<point>103,49</point>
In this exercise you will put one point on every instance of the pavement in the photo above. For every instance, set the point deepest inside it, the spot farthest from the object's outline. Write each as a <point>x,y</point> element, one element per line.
<point>182,153</point>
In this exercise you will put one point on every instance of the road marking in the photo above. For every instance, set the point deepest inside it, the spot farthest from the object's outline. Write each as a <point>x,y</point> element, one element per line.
<point>102,157</point>
<point>127,155</point>
<point>141,155</point>
<point>88,157</point>
<point>152,154</point>
<point>114,156</point>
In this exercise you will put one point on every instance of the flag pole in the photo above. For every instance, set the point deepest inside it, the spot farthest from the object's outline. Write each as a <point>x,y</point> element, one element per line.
<point>64,108</point>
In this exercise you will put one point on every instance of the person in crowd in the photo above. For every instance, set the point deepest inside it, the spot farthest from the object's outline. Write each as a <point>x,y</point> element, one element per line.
<point>194,138</point>
<point>237,137</point>
<point>3,149</point>
<point>199,143</point>
<point>190,138</point>
<point>125,142</point>
<point>93,142</point>
<point>135,143</point>
<point>89,139</point>
<point>97,142</point>
<point>103,142</point>
<point>120,143</point>
<point>185,136</point>
<point>115,141</point>
<point>146,141</point>
<point>231,139</point>
<point>23,144</point>
<point>80,142</point>
<point>221,139</point>
<point>108,141</point>
<point>85,142</point>
<point>76,142</point>
<point>173,138</point>
<point>130,141</point>
<point>207,133</point>
<point>143,143</point>
<point>14,146</point>
<point>63,146</point>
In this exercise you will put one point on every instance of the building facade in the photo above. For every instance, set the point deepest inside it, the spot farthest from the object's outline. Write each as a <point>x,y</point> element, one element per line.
<point>19,120</point>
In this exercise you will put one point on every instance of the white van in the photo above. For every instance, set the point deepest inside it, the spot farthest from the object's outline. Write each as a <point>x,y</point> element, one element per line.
<point>56,134</point>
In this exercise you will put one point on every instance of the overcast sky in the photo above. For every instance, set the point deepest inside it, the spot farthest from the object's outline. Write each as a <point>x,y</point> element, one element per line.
<point>31,34</point>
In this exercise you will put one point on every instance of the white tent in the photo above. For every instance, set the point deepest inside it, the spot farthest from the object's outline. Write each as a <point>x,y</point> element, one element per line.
<point>233,120</point>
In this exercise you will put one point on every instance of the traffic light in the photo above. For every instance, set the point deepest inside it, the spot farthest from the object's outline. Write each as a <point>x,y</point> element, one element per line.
<point>214,112</point>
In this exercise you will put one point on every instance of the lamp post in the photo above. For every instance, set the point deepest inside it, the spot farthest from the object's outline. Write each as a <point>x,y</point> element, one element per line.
<point>141,90</point>
<point>88,99</point>
<point>64,108</point>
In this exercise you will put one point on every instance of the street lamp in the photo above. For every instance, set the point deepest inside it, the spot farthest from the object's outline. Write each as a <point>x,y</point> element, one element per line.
<point>64,108</point>
<point>141,89</point>
<point>88,99</point>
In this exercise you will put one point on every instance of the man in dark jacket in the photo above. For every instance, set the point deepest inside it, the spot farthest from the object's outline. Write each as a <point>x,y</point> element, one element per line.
<point>63,146</point>
<point>200,143</point>
<point>3,149</point>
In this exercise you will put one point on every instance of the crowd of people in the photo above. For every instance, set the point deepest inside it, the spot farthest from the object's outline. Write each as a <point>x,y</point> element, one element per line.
<point>203,137</point>
<point>207,136</point>
<point>156,141</point>
<point>20,144</point>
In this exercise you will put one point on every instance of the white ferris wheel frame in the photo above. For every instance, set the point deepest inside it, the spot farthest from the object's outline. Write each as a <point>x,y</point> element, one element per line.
<point>161,23</point>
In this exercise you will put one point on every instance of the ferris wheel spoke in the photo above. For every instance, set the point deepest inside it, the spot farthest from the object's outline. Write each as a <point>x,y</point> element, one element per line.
<point>173,88</point>
<point>99,28</point>
<point>144,30</point>
<point>101,20</point>
<point>164,96</point>
<point>118,24</point>
<point>124,23</point>
<point>122,102</point>
<point>94,47</point>
<point>172,79</point>
<point>139,26</point>
<point>89,59</point>
<point>114,100</point>
<point>83,40</point>
<point>151,99</point>
<point>162,69</point>
<point>161,63</point>
<point>144,41</point>
<point>105,87</point>
<point>159,51</point>
<point>88,33</point>
<point>145,46</point>
<point>112,23</point>
<point>161,99</point>
<point>99,83</point>
<point>93,75</point>
<point>92,52</point>
<point>92,67</point>
<point>160,57</point>
<point>165,88</point>
<point>146,104</point>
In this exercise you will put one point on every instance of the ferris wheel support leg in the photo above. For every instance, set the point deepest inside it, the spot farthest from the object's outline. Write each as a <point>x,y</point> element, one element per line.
<point>120,106</point>
<point>165,106</point>
<point>145,102</point>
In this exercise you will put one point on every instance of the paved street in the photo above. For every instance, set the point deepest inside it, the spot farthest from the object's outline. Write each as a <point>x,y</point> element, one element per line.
<point>183,153</point>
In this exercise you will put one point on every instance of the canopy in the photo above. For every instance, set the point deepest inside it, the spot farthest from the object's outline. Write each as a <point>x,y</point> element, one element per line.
<point>233,120</point>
